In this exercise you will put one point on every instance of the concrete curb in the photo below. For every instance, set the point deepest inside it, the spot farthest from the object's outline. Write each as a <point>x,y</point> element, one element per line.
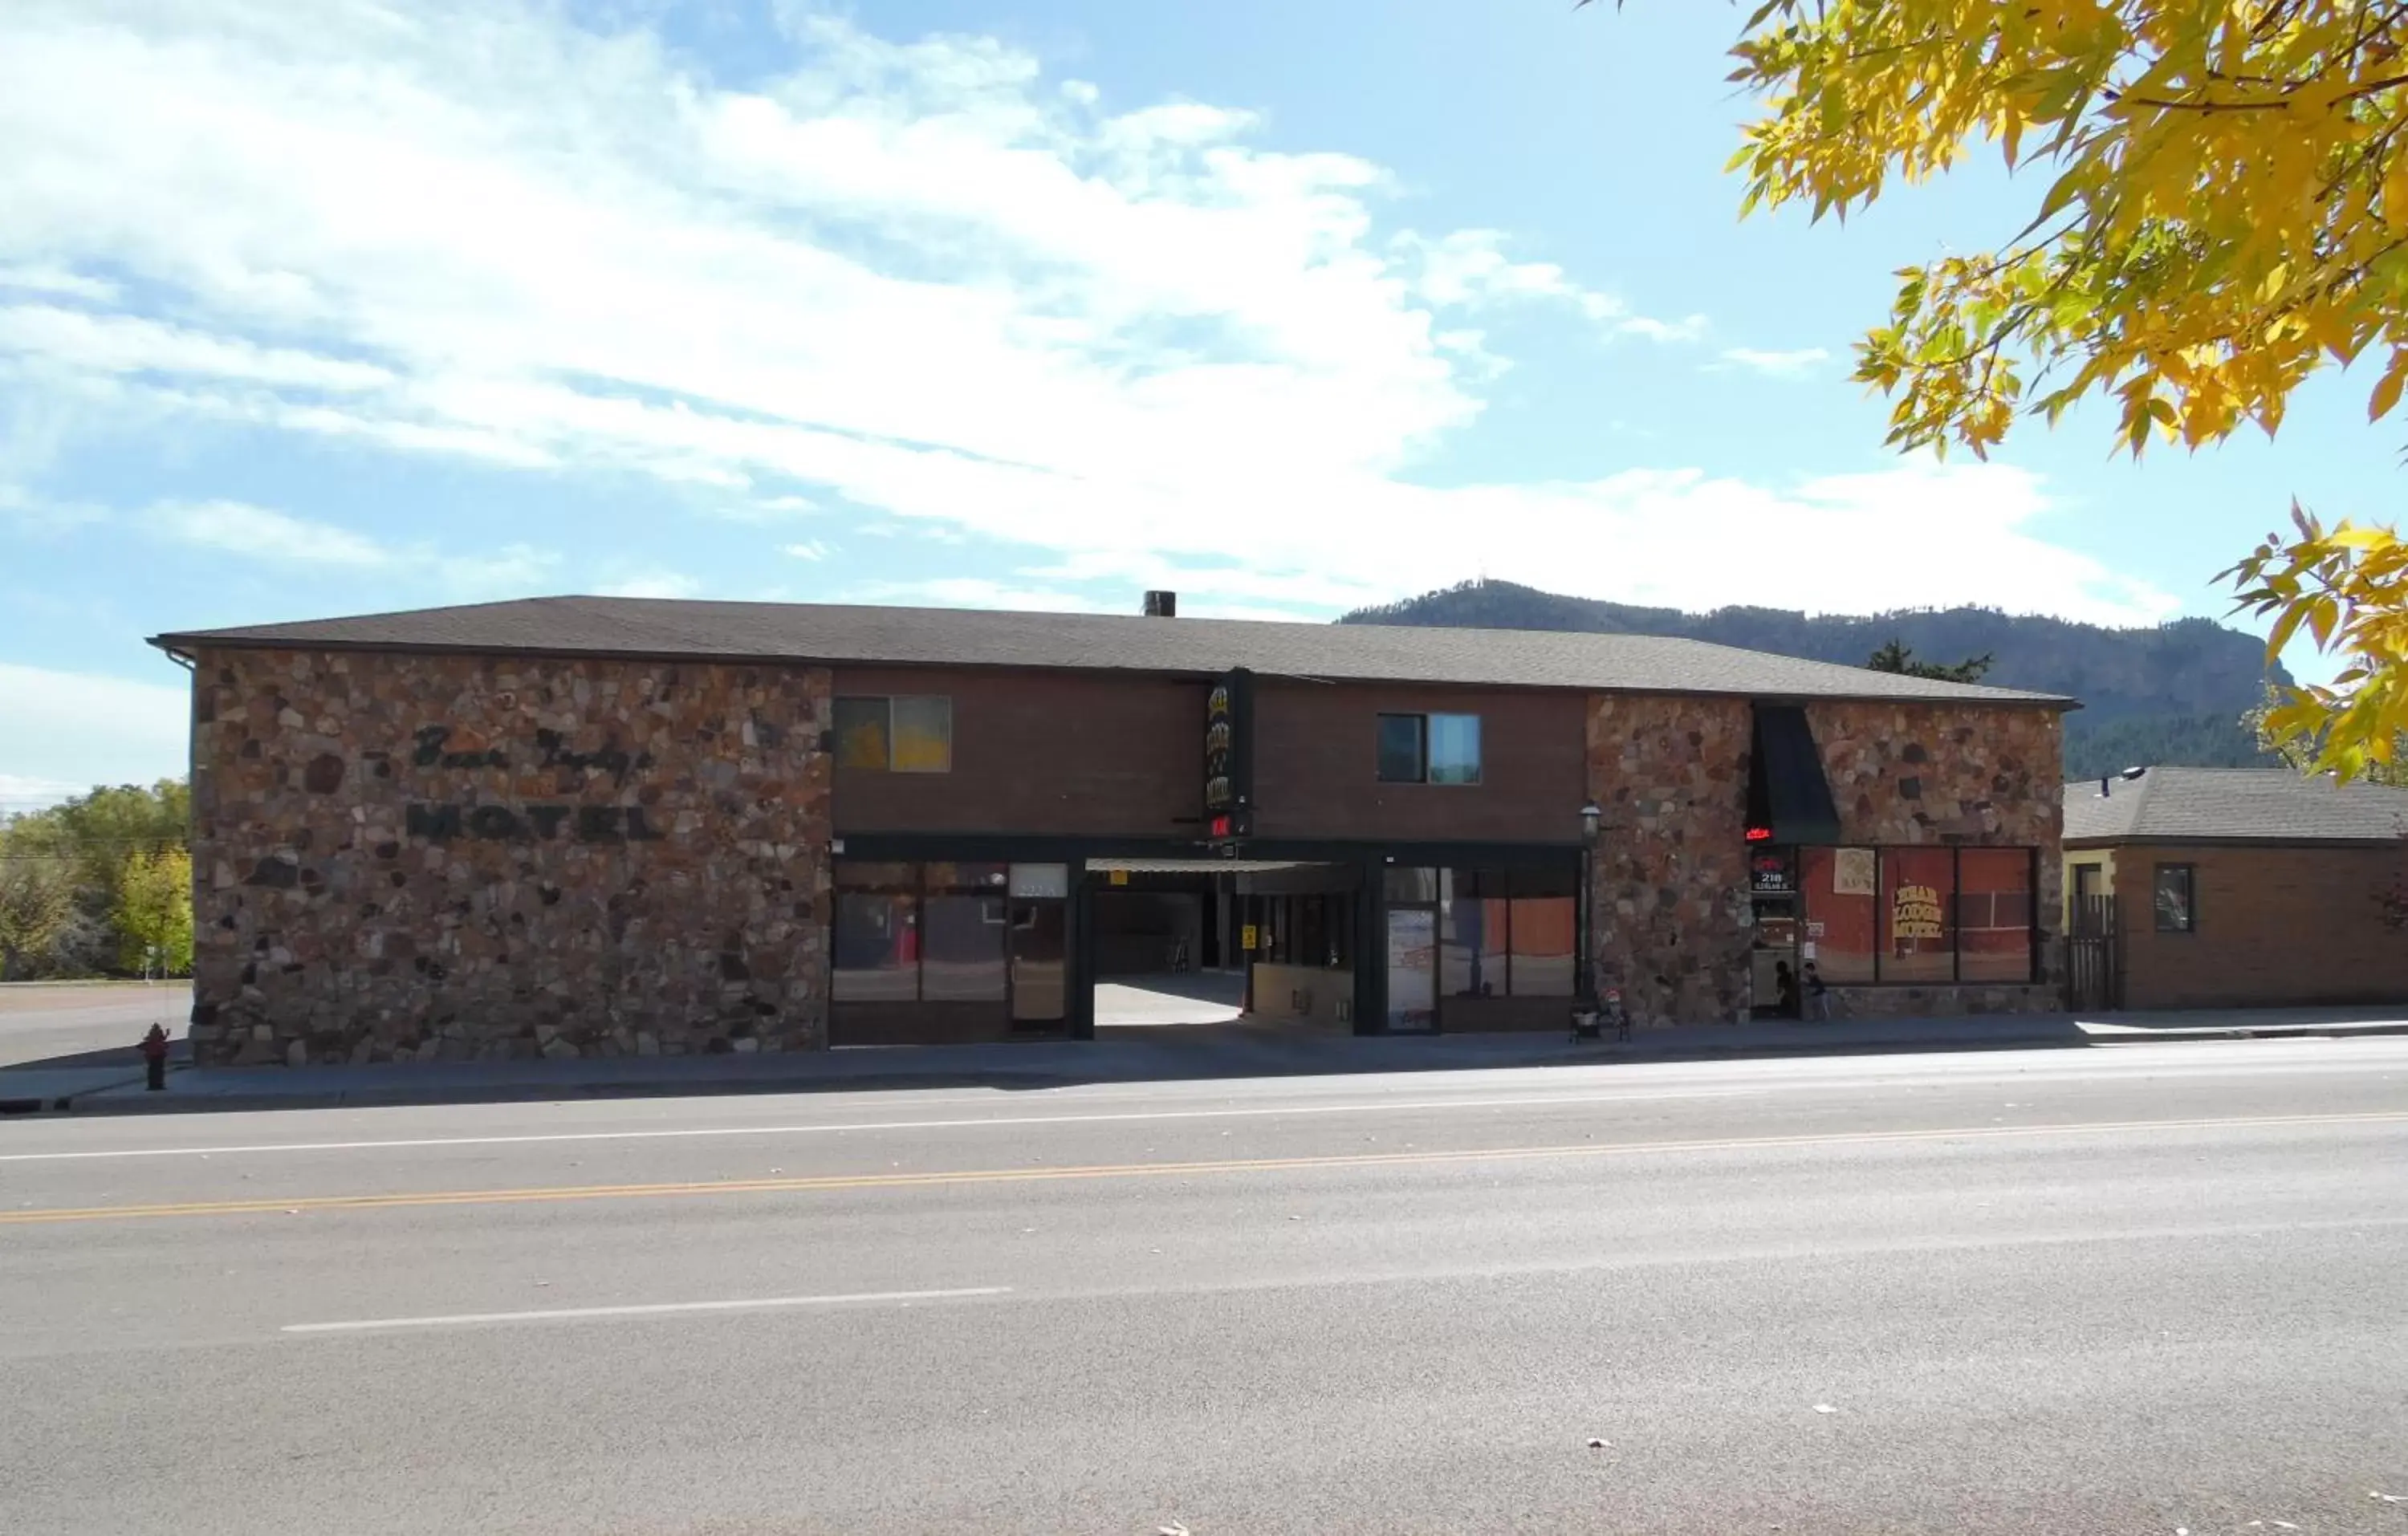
<point>110,1099</point>
<point>2056,1033</point>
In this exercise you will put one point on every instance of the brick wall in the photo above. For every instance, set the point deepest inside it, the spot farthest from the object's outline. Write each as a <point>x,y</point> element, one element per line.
<point>2275,927</point>
<point>441,858</point>
<point>1669,890</point>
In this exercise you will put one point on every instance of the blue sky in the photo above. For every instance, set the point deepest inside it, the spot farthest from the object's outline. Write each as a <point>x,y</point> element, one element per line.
<point>337,306</point>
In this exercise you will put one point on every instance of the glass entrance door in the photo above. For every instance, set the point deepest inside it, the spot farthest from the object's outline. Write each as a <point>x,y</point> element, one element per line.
<point>1413,970</point>
<point>1041,945</point>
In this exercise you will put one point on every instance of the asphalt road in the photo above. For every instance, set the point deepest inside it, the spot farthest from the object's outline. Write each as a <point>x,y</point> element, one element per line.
<point>86,1023</point>
<point>2142,1289</point>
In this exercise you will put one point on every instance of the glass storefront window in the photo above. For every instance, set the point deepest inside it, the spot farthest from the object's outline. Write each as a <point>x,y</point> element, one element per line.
<point>968,879</point>
<point>1994,914</point>
<point>856,875</point>
<point>1840,885</point>
<point>1918,892</point>
<point>962,948</point>
<point>1472,927</point>
<point>1410,884</point>
<point>1543,941</point>
<point>876,951</point>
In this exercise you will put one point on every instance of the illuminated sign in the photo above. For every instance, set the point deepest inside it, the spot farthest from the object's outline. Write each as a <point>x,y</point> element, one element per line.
<point>1229,755</point>
<point>1759,833</point>
<point>1768,874</point>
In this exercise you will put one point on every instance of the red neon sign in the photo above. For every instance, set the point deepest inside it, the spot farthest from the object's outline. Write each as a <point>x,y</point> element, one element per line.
<point>1759,833</point>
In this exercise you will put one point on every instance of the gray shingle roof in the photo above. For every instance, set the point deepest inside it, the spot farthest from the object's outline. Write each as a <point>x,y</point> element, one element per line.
<point>2233,805</point>
<point>799,632</point>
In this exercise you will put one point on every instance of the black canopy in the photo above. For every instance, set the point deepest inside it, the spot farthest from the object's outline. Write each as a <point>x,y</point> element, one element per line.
<point>1789,798</point>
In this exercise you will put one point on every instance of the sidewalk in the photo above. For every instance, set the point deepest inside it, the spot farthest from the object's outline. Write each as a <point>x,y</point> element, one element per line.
<point>1168,1054</point>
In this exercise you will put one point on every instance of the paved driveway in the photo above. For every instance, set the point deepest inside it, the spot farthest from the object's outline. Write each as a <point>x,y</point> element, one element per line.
<point>86,1025</point>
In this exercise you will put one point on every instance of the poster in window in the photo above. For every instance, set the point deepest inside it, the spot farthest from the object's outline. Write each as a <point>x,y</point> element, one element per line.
<point>1852,871</point>
<point>1914,913</point>
<point>1919,886</point>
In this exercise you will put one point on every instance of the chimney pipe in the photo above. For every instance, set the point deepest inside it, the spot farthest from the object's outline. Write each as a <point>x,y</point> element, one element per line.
<point>1162,605</point>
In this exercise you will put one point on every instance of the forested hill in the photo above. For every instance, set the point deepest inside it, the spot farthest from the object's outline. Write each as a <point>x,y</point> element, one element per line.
<point>2174,694</point>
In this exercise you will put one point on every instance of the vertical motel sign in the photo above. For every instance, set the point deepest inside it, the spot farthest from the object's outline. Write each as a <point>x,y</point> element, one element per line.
<point>1229,758</point>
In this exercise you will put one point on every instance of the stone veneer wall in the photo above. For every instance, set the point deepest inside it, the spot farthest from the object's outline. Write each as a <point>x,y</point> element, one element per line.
<point>435,857</point>
<point>1670,885</point>
<point>1668,890</point>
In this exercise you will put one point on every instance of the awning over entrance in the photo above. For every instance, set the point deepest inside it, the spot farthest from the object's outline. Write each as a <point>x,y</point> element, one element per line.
<point>1788,796</point>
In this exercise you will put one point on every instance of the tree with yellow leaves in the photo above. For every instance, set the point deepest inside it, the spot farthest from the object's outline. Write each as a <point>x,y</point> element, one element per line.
<point>2226,213</point>
<point>154,911</point>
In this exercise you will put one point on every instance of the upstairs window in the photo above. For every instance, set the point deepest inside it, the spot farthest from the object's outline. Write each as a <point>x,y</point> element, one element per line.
<point>903,734</point>
<point>1429,749</point>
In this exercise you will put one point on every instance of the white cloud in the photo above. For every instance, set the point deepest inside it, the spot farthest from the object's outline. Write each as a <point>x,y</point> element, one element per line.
<point>238,527</point>
<point>917,277</point>
<point>810,549</point>
<point>23,511</point>
<point>127,344</point>
<point>514,570</point>
<point>44,278</point>
<point>655,583</point>
<point>19,794</point>
<point>972,592</point>
<point>82,728</point>
<point>1788,365</point>
<point>1687,328</point>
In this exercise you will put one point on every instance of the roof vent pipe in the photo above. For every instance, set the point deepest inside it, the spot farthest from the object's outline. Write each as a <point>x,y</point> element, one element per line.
<point>1162,605</point>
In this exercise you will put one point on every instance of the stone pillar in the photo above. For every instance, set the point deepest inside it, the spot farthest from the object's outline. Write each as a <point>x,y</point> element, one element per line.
<point>1669,884</point>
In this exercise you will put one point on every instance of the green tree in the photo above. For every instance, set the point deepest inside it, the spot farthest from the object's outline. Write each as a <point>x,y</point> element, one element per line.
<point>155,910</point>
<point>93,837</point>
<point>36,899</point>
<point>1896,657</point>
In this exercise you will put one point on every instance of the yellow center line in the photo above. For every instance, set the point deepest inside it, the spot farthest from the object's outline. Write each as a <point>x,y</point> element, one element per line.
<point>1136,1170</point>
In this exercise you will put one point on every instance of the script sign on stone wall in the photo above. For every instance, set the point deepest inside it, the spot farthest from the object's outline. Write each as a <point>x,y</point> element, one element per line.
<point>442,746</point>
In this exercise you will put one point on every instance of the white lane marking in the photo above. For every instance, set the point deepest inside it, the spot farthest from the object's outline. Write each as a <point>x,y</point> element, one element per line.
<point>697,1132</point>
<point>659,1308</point>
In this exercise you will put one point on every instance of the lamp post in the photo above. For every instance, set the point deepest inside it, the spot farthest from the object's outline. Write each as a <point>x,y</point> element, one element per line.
<point>1585,981</point>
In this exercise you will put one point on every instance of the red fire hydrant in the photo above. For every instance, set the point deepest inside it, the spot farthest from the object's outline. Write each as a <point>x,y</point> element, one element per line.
<point>154,1058</point>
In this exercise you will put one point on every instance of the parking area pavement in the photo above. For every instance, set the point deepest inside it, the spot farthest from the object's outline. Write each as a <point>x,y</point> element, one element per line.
<point>86,1023</point>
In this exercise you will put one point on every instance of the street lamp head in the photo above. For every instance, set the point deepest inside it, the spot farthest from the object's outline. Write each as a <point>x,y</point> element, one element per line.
<point>1590,815</point>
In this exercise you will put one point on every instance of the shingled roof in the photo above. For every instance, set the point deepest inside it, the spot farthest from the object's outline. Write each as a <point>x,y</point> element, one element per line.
<point>2233,805</point>
<point>941,637</point>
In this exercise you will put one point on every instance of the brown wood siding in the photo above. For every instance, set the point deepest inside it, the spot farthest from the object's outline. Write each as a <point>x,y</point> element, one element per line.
<point>1063,753</point>
<point>2275,927</point>
<point>1316,771</point>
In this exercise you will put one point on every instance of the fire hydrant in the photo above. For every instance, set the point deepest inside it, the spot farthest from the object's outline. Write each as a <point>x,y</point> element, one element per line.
<point>154,1058</point>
